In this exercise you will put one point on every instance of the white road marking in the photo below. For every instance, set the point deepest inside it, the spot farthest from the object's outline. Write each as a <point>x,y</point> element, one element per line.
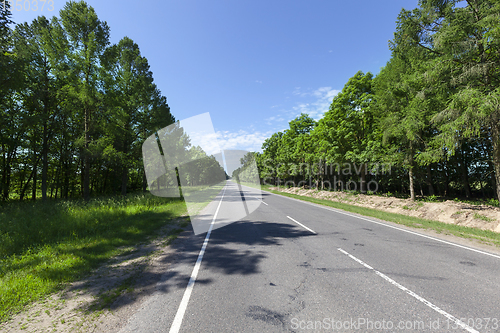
<point>411,293</point>
<point>264,203</point>
<point>176,324</point>
<point>303,226</point>
<point>393,227</point>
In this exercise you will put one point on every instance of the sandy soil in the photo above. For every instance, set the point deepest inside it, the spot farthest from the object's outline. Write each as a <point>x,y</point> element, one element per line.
<point>459,213</point>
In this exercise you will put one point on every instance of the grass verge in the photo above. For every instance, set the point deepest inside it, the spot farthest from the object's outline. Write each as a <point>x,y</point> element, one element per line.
<point>198,197</point>
<point>44,245</point>
<point>485,236</point>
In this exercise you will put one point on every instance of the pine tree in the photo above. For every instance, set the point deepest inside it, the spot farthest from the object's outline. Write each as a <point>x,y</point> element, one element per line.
<point>87,37</point>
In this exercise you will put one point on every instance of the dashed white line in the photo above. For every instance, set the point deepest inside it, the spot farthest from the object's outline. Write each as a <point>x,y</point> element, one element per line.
<point>176,324</point>
<point>303,226</point>
<point>264,203</point>
<point>457,321</point>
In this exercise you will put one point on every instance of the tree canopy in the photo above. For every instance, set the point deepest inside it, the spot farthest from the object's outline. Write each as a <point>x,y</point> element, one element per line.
<point>428,122</point>
<point>75,110</point>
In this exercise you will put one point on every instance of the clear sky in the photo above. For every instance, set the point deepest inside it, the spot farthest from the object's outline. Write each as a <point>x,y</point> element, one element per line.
<point>254,65</point>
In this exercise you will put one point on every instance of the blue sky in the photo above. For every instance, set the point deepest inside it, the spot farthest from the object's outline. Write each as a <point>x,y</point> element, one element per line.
<point>254,65</point>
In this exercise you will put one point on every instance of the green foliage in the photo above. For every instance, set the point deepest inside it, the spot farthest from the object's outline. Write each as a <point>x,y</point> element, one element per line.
<point>74,110</point>
<point>432,198</point>
<point>432,114</point>
<point>247,173</point>
<point>348,125</point>
<point>482,217</point>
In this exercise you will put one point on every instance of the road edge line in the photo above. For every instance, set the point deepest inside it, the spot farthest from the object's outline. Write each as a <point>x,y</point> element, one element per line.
<point>179,316</point>
<point>387,225</point>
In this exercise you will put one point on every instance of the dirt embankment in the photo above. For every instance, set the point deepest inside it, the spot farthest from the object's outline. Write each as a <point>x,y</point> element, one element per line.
<point>478,216</point>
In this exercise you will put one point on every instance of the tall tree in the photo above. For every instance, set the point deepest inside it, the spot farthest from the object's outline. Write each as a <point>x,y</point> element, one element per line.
<point>408,95</point>
<point>130,88</point>
<point>290,154</point>
<point>348,125</point>
<point>35,45</point>
<point>88,38</point>
<point>271,147</point>
<point>468,44</point>
<point>10,80</point>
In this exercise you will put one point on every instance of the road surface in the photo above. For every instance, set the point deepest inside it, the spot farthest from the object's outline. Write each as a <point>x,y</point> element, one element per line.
<point>292,266</point>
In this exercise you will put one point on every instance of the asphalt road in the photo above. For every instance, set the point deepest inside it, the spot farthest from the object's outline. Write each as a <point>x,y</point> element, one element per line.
<point>297,267</point>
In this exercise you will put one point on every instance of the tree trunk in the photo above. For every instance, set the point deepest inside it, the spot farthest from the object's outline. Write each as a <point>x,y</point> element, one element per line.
<point>446,179</point>
<point>6,174</point>
<point>412,186</point>
<point>33,188</point>
<point>464,170</point>
<point>45,162</point>
<point>86,157</point>
<point>32,175</point>
<point>144,182</point>
<point>429,180</point>
<point>124,180</point>
<point>496,156</point>
<point>363,179</point>
<point>124,170</point>
<point>65,185</point>
<point>410,174</point>
<point>179,182</point>
<point>45,143</point>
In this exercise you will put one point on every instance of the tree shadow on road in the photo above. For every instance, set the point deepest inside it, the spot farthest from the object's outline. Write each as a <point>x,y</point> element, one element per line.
<point>235,249</point>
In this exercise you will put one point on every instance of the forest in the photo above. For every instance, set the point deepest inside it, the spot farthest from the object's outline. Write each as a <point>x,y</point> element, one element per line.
<point>428,124</point>
<point>74,109</point>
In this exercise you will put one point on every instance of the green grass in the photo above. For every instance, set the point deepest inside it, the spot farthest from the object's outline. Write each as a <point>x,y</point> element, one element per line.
<point>482,217</point>
<point>44,245</point>
<point>199,197</point>
<point>489,202</point>
<point>485,236</point>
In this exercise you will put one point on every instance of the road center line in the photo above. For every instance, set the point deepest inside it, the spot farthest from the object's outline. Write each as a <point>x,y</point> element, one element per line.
<point>264,203</point>
<point>303,226</point>
<point>458,322</point>
<point>390,226</point>
<point>176,324</point>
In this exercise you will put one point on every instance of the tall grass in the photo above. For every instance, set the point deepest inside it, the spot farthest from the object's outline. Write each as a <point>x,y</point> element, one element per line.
<point>46,244</point>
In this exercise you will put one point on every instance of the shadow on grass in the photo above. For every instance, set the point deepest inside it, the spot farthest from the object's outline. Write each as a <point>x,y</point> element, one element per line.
<point>46,244</point>
<point>28,226</point>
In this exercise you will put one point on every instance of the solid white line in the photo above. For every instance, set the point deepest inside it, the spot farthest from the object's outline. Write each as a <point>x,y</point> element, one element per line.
<point>264,203</point>
<point>303,226</point>
<point>176,324</point>
<point>411,293</point>
<point>393,227</point>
